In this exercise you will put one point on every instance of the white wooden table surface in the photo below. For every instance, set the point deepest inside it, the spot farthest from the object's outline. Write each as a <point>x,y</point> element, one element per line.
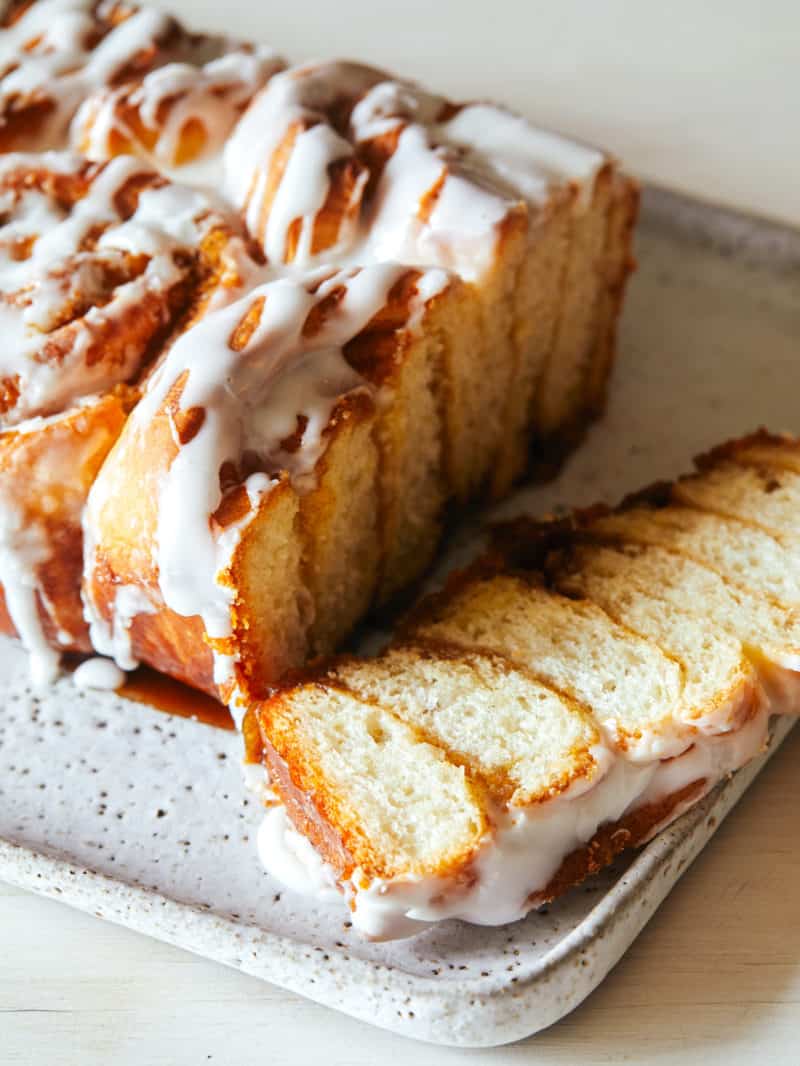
<point>703,97</point>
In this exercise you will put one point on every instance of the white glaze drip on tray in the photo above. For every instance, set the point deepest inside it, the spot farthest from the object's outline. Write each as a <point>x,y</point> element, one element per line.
<point>291,859</point>
<point>98,673</point>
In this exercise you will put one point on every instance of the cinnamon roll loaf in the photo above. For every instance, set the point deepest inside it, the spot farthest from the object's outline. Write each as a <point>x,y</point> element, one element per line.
<point>419,292</point>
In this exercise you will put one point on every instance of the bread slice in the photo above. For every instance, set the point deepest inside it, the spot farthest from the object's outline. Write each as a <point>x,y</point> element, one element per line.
<point>590,682</point>
<point>720,683</point>
<point>342,161</point>
<point>766,496</point>
<point>742,553</point>
<point>400,806</point>
<point>618,264</point>
<point>565,375</point>
<point>403,362</point>
<point>633,689</point>
<point>523,741</point>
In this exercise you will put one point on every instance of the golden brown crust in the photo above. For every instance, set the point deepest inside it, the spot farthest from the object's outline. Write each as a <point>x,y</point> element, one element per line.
<point>45,476</point>
<point>251,735</point>
<point>296,780</point>
<point>305,815</point>
<point>323,813</point>
<point>758,448</point>
<point>176,646</point>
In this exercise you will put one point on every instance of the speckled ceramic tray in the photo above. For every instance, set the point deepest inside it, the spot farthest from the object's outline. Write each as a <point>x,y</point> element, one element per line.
<point>141,818</point>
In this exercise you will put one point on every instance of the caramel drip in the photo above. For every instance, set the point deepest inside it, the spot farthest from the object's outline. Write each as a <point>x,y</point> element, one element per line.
<point>162,693</point>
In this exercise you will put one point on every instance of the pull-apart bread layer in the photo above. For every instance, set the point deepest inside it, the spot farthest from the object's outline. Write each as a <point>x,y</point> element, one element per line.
<point>53,53</point>
<point>177,116</point>
<point>587,681</point>
<point>99,265</point>
<point>288,458</point>
<point>341,162</point>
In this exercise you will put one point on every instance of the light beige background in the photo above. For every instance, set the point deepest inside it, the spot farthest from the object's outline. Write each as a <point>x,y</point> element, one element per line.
<point>702,96</point>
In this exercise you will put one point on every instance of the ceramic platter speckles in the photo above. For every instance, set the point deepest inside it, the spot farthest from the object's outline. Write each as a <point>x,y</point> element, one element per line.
<point>142,818</point>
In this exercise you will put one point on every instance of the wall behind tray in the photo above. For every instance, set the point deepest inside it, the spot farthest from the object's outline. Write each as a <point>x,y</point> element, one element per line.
<point>700,95</point>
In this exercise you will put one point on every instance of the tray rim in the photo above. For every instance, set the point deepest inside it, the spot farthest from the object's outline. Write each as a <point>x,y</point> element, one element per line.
<point>756,238</point>
<point>458,1012</point>
<point>516,1012</point>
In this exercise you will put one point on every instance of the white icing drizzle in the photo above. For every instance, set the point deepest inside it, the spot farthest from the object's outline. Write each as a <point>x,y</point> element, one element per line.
<point>169,221</point>
<point>253,399</point>
<point>291,859</point>
<point>256,780</point>
<point>473,163</point>
<point>130,601</point>
<point>292,99</point>
<point>23,548</point>
<point>47,54</point>
<point>523,157</point>
<point>526,848</point>
<point>166,100</point>
<point>98,673</point>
